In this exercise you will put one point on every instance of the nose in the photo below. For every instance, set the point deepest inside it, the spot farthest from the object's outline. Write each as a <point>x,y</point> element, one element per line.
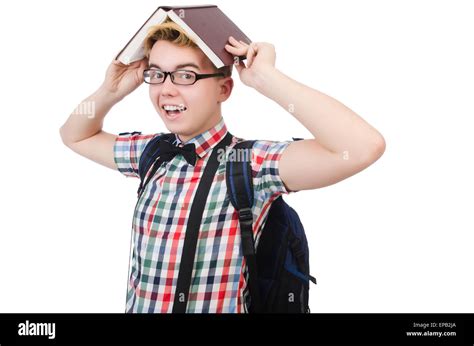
<point>167,87</point>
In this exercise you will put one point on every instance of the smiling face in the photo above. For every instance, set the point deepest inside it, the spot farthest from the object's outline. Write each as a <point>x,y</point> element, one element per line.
<point>202,99</point>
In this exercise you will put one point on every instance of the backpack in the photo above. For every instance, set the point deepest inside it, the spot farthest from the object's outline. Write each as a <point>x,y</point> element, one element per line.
<point>280,265</point>
<point>278,270</point>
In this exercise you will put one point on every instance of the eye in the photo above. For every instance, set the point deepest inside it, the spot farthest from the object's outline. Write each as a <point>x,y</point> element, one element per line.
<point>153,74</point>
<point>185,75</point>
<point>157,74</point>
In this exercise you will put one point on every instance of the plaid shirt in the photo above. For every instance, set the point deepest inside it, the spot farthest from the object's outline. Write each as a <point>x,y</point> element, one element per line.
<point>161,214</point>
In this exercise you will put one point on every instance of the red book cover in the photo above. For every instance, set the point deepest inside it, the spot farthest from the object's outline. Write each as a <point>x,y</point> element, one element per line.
<point>207,26</point>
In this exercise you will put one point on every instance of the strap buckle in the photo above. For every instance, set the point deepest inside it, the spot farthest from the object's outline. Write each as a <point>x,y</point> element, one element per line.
<point>246,216</point>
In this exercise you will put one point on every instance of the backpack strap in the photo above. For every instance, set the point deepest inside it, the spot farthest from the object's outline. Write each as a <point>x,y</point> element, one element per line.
<point>240,189</point>
<point>149,159</point>
<point>296,248</point>
<point>192,228</point>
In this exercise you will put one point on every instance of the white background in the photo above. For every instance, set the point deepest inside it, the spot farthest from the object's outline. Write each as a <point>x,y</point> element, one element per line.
<point>397,237</point>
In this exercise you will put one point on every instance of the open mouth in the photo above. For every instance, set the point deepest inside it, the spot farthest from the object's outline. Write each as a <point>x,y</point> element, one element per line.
<point>173,111</point>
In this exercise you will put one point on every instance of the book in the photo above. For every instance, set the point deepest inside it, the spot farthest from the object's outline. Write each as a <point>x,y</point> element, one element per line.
<point>206,25</point>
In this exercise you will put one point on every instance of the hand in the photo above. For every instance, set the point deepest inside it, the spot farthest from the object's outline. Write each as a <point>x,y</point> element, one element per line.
<point>121,80</point>
<point>260,59</point>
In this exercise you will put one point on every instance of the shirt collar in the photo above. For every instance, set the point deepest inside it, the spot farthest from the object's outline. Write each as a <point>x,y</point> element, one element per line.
<point>208,139</point>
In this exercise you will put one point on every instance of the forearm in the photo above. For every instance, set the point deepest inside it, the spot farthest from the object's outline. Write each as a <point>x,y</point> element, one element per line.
<point>333,125</point>
<point>88,117</point>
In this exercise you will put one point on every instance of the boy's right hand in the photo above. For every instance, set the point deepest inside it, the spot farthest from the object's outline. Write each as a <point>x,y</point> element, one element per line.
<point>121,80</point>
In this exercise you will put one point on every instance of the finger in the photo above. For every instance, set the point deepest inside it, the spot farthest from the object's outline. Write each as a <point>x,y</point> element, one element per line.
<point>250,57</point>
<point>143,65</point>
<point>237,44</point>
<point>136,64</point>
<point>118,62</point>
<point>236,50</point>
<point>251,53</point>
<point>234,41</point>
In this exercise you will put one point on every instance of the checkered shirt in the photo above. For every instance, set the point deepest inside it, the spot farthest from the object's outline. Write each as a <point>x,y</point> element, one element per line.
<point>218,283</point>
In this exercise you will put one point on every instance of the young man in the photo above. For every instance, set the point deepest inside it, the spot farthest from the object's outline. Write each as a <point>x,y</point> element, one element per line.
<point>190,108</point>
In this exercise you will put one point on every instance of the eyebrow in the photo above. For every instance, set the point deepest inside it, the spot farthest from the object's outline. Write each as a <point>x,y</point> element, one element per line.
<point>189,64</point>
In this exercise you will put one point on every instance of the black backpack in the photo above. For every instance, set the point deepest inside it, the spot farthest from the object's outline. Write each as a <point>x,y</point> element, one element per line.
<point>278,271</point>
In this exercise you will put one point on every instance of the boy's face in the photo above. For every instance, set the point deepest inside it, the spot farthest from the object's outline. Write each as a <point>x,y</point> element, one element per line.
<point>202,99</point>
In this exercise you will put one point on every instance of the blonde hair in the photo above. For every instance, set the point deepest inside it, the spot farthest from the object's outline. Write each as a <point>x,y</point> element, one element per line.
<point>172,32</point>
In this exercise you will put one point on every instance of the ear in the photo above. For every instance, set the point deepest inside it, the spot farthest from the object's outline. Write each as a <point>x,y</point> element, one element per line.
<point>225,88</point>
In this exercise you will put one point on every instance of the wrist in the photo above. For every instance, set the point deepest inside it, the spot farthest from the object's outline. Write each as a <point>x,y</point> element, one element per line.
<point>108,97</point>
<point>267,81</point>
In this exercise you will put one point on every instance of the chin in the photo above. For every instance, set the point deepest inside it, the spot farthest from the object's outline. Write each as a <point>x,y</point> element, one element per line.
<point>179,128</point>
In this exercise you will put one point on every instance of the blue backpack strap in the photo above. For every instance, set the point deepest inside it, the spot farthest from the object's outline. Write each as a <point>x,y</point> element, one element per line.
<point>148,160</point>
<point>239,176</point>
<point>240,189</point>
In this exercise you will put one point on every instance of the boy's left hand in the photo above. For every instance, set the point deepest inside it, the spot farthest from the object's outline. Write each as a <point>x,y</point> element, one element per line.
<point>260,59</point>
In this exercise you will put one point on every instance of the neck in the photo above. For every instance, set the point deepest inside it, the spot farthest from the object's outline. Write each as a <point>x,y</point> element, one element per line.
<point>212,123</point>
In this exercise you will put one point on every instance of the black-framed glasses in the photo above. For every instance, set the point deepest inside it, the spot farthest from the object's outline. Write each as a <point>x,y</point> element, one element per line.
<point>180,77</point>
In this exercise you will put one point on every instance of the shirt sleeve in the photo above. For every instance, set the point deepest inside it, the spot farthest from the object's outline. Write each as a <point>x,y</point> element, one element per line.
<point>128,148</point>
<point>265,163</point>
